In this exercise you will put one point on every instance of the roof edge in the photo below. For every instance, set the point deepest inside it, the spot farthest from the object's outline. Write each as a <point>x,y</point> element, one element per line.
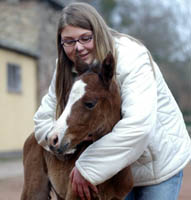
<point>19,49</point>
<point>58,4</point>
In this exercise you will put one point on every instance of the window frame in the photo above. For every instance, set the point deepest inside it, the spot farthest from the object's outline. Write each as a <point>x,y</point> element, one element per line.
<point>14,78</point>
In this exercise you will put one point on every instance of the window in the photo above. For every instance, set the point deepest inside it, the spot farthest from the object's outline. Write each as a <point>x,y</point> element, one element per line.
<point>13,78</point>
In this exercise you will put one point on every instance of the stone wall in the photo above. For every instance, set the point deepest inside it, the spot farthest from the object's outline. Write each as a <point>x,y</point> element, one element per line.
<point>31,26</point>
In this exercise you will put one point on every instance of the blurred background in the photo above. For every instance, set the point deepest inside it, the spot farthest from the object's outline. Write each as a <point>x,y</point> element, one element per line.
<point>28,53</point>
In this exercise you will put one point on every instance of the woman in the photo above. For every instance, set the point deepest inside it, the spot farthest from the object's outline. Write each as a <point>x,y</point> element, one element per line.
<point>151,136</point>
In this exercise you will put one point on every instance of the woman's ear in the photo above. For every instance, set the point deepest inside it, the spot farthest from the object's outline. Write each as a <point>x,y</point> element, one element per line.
<point>107,69</point>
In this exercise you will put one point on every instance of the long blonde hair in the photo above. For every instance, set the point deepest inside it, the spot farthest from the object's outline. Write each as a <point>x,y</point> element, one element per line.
<point>84,16</point>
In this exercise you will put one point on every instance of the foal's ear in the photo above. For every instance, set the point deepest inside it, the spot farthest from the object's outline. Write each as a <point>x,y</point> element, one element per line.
<point>80,65</point>
<point>107,69</point>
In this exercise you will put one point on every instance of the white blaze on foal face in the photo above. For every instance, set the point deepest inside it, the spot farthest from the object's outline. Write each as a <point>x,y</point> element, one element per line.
<point>89,105</point>
<point>77,92</point>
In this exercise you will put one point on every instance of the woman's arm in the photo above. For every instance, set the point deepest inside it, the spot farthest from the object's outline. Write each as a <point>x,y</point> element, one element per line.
<point>44,118</point>
<point>130,136</point>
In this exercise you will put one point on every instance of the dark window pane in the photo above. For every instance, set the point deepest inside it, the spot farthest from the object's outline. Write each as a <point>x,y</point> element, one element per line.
<point>13,78</point>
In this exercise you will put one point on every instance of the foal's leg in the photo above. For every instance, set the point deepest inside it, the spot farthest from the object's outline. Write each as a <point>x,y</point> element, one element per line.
<point>36,183</point>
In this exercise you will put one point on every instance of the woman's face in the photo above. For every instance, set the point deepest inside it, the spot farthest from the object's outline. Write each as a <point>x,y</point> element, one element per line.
<point>78,39</point>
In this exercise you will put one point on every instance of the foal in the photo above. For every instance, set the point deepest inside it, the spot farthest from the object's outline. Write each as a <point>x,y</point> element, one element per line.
<point>92,110</point>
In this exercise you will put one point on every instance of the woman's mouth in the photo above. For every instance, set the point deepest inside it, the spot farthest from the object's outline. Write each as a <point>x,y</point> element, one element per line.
<point>84,56</point>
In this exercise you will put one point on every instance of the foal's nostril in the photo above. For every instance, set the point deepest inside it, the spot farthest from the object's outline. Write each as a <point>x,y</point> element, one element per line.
<point>54,140</point>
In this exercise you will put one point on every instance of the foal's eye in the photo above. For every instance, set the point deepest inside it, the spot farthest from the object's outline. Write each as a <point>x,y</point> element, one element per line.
<point>90,104</point>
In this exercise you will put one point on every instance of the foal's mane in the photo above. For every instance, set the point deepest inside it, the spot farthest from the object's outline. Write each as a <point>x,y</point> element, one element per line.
<point>82,67</point>
<point>105,73</point>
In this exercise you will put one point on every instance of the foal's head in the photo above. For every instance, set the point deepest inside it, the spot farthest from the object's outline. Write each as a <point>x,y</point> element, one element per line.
<point>93,107</point>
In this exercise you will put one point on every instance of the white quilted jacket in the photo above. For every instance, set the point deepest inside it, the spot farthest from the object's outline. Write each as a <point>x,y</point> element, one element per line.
<point>151,136</point>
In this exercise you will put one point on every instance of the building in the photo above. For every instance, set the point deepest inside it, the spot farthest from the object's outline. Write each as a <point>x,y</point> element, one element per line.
<point>27,60</point>
<point>18,97</point>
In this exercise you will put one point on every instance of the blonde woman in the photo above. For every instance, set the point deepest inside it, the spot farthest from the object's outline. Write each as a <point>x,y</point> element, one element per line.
<point>151,136</point>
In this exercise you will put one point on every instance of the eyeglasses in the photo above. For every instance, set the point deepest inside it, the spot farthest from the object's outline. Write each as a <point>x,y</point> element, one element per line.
<point>82,40</point>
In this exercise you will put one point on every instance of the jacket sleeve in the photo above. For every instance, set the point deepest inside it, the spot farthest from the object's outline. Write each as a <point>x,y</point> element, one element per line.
<point>44,118</point>
<point>130,136</point>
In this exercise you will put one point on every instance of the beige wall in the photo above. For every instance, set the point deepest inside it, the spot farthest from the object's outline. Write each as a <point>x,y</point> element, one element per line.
<point>17,109</point>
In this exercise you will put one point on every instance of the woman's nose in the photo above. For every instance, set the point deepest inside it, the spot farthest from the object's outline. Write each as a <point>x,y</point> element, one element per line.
<point>78,46</point>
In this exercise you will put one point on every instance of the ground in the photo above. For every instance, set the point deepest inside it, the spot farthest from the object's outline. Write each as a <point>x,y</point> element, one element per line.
<point>11,181</point>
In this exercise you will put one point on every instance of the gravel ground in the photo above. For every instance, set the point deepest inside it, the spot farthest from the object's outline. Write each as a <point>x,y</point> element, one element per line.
<point>11,181</point>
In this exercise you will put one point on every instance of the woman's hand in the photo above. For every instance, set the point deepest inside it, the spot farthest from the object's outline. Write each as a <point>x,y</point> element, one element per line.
<point>81,186</point>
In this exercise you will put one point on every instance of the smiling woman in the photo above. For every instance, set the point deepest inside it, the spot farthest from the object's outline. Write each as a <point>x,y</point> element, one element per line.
<point>148,134</point>
<point>78,39</point>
